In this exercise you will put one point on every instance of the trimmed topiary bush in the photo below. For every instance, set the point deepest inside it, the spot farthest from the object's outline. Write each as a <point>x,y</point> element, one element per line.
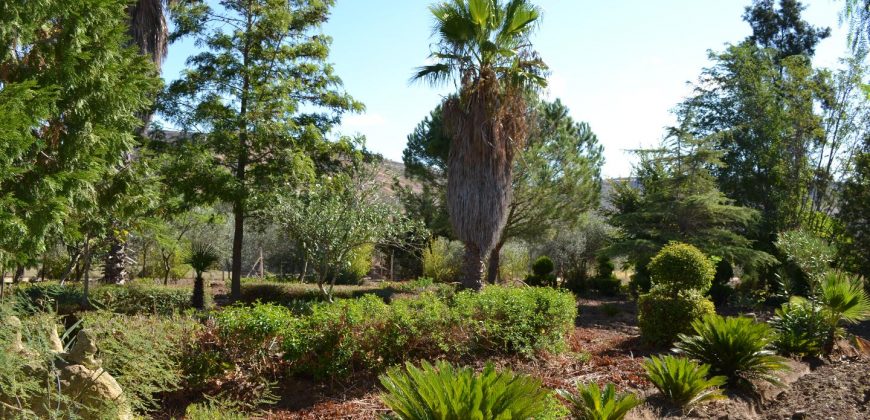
<point>663,315</point>
<point>679,267</point>
<point>542,272</point>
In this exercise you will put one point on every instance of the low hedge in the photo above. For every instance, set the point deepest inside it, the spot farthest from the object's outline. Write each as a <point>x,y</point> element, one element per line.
<point>368,335</point>
<point>130,299</point>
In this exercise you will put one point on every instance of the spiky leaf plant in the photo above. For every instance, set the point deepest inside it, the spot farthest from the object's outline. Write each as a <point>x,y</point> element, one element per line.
<point>737,347</point>
<point>201,258</point>
<point>844,298</point>
<point>447,393</point>
<point>802,328</point>
<point>682,381</point>
<point>594,403</point>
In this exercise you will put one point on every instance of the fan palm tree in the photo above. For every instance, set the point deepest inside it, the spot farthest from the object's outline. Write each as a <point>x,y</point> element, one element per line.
<point>150,33</point>
<point>201,258</point>
<point>483,46</point>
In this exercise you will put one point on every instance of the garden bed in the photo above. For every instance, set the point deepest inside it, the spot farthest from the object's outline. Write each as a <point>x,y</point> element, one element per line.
<point>605,347</point>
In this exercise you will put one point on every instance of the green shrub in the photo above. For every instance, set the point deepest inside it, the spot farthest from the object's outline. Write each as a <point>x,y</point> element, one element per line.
<point>542,273</point>
<point>367,334</point>
<point>802,328</point>
<point>445,392</point>
<point>130,299</point>
<point>543,266</point>
<point>360,265</point>
<point>683,382</point>
<point>213,411</point>
<point>607,286</point>
<point>142,352</point>
<point>736,347</point>
<point>680,267</point>
<point>255,323</point>
<point>720,291</point>
<point>662,315</point>
<point>513,262</point>
<point>605,267</point>
<point>594,403</point>
<point>442,259</point>
<point>810,253</point>
<point>523,320</point>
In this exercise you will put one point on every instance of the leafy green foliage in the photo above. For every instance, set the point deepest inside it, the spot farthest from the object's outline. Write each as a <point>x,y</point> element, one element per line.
<point>142,352</point>
<point>676,199</point>
<point>662,316</point>
<point>542,273</point>
<point>445,392</point>
<point>681,266</point>
<point>441,259</point>
<point>66,122</point>
<point>844,298</point>
<point>682,381</point>
<point>201,258</point>
<point>213,411</point>
<point>854,201</point>
<point>263,131</point>
<point>128,299</point>
<point>812,254</point>
<point>736,347</point>
<point>518,320</point>
<point>802,328</point>
<point>337,217</point>
<point>594,403</point>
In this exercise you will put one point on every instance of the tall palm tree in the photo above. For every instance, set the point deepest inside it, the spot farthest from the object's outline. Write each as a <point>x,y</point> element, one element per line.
<point>483,46</point>
<point>149,32</point>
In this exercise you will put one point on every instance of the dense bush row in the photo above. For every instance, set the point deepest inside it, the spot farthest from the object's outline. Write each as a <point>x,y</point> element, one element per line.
<point>366,334</point>
<point>128,299</point>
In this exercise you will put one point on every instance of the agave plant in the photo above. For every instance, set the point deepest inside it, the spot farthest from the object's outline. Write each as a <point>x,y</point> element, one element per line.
<point>682,381</point>
<point>594,403</point>
<point>201,258</point>
<point>737,347</point>
<point>448,393</point>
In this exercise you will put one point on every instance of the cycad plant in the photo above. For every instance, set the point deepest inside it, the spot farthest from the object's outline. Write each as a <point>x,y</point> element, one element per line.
<point>594,403</point>
<point>736,347</point>
<point>201,258</point>
<point>682,381</point>
<point>484,46</point>
<point>447,393</point>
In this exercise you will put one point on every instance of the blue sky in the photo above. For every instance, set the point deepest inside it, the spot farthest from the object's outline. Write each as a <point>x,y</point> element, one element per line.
<point>620,65</point>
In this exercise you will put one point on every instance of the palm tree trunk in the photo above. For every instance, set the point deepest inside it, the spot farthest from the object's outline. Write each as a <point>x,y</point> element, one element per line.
<point>198,299</point>
<point>115,265</point>
<point>472,268</point>
<point>494,263</point>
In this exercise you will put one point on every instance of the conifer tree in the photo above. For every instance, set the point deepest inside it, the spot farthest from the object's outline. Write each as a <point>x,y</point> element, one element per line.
<point>261,96</point>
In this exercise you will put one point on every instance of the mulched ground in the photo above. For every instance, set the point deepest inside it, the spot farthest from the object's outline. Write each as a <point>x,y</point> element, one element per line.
<point>605,347</point>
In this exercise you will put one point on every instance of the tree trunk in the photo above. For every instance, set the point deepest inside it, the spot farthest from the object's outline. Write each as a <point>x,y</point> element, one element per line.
<point>74,260</point>
<point>19,273</point>
<point>198,298</point>
<point>240,201</point>
<point>492,266</point>
<point>87,276</point>
<point>238,238</point>
<point>304,270</point>
<point>472,268</point>
<point>115,265</point>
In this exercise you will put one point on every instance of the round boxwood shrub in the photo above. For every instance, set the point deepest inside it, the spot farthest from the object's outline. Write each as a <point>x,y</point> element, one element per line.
<point>543,266</point>
<point>662,315</point>
<point>681,266</point>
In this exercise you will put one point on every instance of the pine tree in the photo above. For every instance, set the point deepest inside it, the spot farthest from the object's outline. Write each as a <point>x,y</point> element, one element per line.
<point>676,198</point>
<point>261,97</point>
